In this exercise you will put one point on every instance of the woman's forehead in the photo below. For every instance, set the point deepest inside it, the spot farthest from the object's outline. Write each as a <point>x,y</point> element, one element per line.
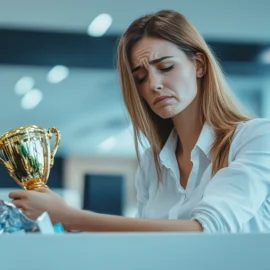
<point>148,49</point>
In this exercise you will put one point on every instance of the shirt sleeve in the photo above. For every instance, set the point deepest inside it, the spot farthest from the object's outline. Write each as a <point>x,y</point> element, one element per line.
<point>142,187</point>
<point>236,192</point>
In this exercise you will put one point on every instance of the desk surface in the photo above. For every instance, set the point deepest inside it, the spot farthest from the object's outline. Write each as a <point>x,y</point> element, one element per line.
<point>128,251</point>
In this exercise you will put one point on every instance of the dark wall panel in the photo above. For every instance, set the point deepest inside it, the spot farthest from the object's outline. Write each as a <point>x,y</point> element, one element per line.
<point>104,193</point>
<point>43,48</point>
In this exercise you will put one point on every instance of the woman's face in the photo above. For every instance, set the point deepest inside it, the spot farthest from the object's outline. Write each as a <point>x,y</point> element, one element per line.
<point>165,77</point>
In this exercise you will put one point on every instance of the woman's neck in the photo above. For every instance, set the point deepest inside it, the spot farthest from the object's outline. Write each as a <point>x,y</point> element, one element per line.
<point>188,127</point>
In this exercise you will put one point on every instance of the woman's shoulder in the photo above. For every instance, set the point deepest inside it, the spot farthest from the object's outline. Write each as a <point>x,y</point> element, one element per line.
<point>146,166</point>
<point>253,126</point>
<point>146,157</point>
<point>251,129</point>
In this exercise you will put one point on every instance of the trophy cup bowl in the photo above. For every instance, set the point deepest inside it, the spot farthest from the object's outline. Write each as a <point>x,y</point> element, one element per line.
<point>28,156</point>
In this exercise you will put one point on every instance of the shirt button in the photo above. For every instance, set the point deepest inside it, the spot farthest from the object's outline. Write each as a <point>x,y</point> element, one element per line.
<point>183,199</point>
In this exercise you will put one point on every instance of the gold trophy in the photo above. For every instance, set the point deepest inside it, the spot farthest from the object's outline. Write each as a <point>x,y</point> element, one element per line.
<point>28,154</point>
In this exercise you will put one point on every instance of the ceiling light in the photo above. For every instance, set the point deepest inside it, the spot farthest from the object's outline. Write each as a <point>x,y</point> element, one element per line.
<point>265,56</point>
<point>31,99</point>
<point>24,85</point>
<point>57,74</point>
<point>107,144</point>
<point>99,25</point>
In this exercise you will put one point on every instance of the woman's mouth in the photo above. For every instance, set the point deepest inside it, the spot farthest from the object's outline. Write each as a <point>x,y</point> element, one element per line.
<point>162,99</point>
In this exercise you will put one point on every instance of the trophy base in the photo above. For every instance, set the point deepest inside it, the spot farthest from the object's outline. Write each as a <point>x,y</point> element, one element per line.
<point>34,183</point>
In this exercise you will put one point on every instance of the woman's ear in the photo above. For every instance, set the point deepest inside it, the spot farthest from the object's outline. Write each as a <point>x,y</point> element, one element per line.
<point>200,64</point>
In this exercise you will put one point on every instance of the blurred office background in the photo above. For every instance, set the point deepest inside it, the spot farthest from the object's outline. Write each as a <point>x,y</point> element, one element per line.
<point>58,68</point>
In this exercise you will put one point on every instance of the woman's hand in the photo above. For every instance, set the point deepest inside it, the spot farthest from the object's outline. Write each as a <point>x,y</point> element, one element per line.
<point>34,202</point>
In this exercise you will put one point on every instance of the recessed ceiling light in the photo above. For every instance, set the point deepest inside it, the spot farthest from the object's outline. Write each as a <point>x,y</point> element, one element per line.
<point>24,85</point>
<point>57,74</point>
<point>108,144</point>
<point>265,56</point>
<point>99,25</point>
<point>31,99</point>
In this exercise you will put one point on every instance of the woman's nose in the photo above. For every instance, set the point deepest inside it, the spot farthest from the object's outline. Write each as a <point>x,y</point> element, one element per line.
<point>155,82</point>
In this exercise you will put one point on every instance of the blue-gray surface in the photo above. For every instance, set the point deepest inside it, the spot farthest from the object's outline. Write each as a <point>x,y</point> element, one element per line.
<point>128,251</point>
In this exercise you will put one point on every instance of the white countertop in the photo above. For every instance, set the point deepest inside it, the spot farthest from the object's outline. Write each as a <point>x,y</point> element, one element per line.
<point>128,251</point>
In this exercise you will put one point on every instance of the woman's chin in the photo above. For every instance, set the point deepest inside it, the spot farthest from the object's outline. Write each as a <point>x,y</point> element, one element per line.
<point>166,113</point>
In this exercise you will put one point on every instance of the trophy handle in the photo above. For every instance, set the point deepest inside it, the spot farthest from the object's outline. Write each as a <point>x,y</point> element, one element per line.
<point>1,160</point>
<point>56,132</point>
<point>8,167</point>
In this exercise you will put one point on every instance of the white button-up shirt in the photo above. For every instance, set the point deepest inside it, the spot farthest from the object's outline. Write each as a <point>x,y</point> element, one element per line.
<point>236,199</point>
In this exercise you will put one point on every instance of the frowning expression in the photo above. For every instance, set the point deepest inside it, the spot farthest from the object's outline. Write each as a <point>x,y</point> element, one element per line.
<point>165,77</point>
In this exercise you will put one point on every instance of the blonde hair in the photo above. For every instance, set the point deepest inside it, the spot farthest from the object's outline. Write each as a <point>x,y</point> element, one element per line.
<point>218,108</point>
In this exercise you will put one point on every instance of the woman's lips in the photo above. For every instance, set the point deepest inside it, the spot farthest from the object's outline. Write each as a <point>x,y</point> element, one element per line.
<point>162,99</point>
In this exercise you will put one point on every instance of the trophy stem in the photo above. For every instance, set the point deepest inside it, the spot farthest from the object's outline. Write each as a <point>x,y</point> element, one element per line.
<point>34,183</point>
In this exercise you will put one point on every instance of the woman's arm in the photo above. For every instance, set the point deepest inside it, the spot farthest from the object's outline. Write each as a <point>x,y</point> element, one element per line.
<point>89,221</point>
<point>236,193</point>
<point>34,203</point>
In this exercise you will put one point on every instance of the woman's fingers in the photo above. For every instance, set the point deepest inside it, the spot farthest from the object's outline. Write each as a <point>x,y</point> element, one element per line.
<point>17,194</point>
<point>19,203</point>
<point>35,202</point>
<point>42,190</point>
<point>19,198</point>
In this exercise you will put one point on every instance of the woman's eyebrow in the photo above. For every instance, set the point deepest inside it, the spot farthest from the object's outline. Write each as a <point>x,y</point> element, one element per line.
<point>152,62</point>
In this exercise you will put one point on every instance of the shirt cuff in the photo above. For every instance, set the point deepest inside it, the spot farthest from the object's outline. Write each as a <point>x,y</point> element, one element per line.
<point>209,223</point>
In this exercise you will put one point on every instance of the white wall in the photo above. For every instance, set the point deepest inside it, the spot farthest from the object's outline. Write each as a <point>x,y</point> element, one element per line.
<point>75,169</point>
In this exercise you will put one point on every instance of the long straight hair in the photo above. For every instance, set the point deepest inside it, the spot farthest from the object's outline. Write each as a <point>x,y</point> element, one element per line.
<point>218,107</point>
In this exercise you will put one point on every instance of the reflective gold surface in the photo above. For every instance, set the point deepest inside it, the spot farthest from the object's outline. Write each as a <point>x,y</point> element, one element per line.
<point>28,156</point>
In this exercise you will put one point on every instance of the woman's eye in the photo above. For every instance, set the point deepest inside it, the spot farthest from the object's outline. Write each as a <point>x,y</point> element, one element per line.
<point>140,80</point>
<point>167,68</point>
<point>163,69</point>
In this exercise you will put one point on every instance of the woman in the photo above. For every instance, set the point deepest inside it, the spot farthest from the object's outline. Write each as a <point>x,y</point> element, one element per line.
<point>208,165</point>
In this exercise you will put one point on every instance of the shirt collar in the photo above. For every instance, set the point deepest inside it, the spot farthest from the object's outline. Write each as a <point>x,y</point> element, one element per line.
<point>168,150</point>
<point>204,142</point>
